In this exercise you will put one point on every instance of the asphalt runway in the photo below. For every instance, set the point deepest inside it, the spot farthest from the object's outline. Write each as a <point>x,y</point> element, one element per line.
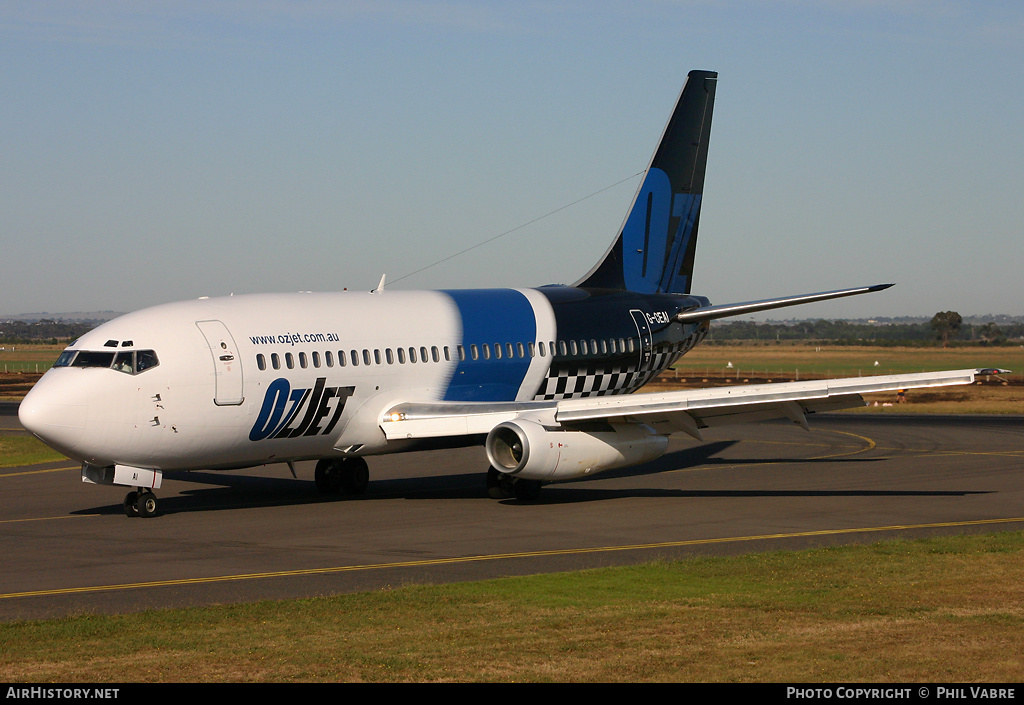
<point>67,547</point>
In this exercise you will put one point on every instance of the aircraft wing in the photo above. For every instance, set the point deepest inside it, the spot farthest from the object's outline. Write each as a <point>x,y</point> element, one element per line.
<point>685,411</point>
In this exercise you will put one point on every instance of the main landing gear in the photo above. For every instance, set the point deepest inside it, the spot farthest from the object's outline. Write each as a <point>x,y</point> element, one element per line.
<point>140,503</point>
<point>336,475</point>
<point>504,486</point>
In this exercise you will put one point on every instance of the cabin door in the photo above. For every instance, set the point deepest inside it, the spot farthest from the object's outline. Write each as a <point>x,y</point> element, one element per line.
<point>227,366</point>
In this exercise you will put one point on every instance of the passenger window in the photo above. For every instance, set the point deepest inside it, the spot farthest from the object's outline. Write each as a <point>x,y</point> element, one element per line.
<point>434,354</point>
<point>289,361</point>
<point>261,361</point>
<point>275,361</point>
<point>316,359</point>
<point>401,356</point>
<point>329,358</point>
<point>302,360</point>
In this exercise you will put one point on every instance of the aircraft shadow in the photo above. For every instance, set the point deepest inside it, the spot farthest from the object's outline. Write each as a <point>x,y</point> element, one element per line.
<point>225,491</point>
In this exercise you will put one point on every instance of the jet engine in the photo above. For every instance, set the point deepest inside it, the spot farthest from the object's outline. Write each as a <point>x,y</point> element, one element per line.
<point>528,450</point>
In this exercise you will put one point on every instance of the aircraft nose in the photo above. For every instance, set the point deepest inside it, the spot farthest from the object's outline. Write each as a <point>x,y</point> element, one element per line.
<point>53,416</point>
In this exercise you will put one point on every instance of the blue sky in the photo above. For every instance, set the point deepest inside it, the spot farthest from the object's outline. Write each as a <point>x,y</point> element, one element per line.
<point>157,151</point>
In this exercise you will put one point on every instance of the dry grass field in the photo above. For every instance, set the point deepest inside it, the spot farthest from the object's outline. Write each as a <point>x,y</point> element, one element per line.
<point>714,365</point>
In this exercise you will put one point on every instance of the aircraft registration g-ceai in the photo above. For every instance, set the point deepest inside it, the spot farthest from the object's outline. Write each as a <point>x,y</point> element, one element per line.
<point>542,377</point>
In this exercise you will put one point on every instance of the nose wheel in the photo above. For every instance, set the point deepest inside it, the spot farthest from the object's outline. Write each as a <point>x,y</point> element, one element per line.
<point>140,503</point>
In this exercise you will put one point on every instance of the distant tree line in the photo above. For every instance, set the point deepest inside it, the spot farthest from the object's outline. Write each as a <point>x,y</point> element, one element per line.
<point>46,330</point>
<point>945,328</point>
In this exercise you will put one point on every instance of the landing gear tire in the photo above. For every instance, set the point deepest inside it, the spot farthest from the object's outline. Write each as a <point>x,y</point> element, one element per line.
<point>356,476</point>
<point>348,475</point>
<point>130,510</point>
<point>146,504</point>
<point>499,485</point>
<point>328,476</point>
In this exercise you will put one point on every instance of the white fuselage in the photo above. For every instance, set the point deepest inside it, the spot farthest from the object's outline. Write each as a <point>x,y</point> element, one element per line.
<point>250,380</point>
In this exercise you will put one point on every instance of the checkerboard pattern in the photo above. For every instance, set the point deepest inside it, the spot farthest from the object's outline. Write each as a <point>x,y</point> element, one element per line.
<point>574,379</point>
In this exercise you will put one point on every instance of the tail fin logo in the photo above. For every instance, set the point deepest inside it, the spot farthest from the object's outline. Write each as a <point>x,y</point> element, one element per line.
<point>657,235</point>
<point>654,251</point>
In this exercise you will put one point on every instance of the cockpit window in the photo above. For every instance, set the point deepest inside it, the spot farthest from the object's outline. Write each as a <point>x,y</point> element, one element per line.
<point>144,359</point>
<point>88,358</point>
<point>65,358</point>
<point>130,362</point>
<point>124,362</point>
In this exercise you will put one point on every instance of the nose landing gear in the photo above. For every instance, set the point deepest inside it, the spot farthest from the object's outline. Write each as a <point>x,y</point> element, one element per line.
<point>140,503</point>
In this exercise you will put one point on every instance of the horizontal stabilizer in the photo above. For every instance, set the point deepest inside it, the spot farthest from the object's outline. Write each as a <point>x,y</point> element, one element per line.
<point>709,313</point>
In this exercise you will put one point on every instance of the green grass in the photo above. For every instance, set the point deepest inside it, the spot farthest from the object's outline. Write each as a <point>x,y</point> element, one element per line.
<point>28,358</point>
<point>25,450</point>
<point>942,609</point>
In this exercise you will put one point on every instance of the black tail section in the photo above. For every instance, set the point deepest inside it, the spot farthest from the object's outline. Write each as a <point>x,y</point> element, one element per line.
<point>654,251</point>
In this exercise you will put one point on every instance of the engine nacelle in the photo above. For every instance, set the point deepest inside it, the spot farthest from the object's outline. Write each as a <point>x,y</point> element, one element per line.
<point>529,451</point>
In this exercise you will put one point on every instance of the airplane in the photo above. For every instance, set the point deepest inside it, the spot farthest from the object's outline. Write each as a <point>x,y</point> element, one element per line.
<point>543,377</point>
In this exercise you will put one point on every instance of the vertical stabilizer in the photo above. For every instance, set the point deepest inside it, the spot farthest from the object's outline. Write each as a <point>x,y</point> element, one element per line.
<point>654,250</point>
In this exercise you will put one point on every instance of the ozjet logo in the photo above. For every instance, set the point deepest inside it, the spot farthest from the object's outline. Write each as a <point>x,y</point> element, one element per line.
<point>307,409</point>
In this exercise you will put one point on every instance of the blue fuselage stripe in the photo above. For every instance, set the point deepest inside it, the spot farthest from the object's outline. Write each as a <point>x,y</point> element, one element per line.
<point>491,317</point>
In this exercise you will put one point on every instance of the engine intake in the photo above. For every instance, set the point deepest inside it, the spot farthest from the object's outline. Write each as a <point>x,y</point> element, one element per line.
<point>528,450</point>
